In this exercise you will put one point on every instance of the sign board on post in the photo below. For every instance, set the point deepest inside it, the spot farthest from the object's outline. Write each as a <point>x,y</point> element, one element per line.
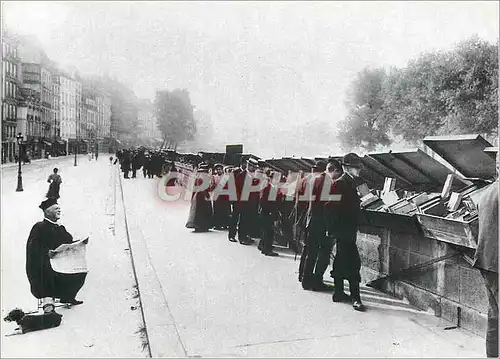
<point>233,153</point>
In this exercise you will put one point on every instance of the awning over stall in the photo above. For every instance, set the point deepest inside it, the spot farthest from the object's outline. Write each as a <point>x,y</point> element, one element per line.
<point>416,167</point>
<point>465,153</point>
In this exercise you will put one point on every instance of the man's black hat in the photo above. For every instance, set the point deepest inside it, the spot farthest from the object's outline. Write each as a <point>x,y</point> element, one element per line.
<point>335,163</point>
<point>320,166</point>
<point>352,160</point>
<point>47,203</point>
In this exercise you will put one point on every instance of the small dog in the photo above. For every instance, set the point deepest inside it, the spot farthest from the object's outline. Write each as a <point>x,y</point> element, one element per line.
<point>33,322</point>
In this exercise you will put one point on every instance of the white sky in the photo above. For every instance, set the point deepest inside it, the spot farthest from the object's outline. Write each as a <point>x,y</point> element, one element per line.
<point>249,64</point>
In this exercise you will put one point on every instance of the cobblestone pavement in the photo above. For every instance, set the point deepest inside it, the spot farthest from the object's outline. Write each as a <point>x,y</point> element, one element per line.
<point>206,296</point>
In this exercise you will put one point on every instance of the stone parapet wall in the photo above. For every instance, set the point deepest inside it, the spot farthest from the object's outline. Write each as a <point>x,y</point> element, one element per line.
<point>441,287</point>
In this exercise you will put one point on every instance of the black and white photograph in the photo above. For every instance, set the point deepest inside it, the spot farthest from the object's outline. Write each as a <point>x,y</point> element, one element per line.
<point>262,179</point>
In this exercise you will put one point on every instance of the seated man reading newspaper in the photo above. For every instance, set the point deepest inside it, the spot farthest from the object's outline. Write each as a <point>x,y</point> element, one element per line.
<point>55,264</point>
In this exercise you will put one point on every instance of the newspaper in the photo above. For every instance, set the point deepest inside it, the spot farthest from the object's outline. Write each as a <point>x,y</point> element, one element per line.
<point>70,258</point>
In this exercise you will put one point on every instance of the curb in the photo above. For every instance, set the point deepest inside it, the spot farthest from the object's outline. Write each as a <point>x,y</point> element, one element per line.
<point>161,330</point>
<point>134,271</point>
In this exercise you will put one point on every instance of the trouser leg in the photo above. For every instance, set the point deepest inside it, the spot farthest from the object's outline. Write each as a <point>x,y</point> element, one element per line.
<point>354,289</point>
<point>267,235</point>
<point>233,223</point>
<point>339,285</point>
<point>324,252</point>
<point>311,258</point>
<point>305,252</point>
<point>243,222</point>
<point>491,281</point>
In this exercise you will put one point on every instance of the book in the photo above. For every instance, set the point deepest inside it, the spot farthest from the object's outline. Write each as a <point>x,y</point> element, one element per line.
<point>363,190</point>
<point>390,198</point>
<point>389,185</point>
<point>368,199</point>
<point>447,186</point>
<point>454,202</point>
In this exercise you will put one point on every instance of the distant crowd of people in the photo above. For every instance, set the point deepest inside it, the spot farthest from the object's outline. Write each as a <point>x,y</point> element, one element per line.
<point>255,212</point>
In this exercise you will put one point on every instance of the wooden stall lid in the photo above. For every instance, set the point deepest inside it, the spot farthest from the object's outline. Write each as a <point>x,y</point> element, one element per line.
<point>450,230</point>
<point>417,167</point>
<point>465,153</point>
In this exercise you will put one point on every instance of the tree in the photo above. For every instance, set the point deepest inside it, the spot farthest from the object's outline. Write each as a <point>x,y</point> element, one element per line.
<point>366,124</point>
<point>450,92</point>
<point>174,114</point>
<point>124,110</point>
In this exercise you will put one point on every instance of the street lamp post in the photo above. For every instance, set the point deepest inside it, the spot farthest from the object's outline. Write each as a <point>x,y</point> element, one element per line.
<point>76,136</point>
<point>19,188</point>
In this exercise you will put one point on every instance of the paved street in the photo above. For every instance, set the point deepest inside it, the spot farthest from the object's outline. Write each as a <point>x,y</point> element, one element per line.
<point>202,295</point>
<point>105,325</point>
<point>205,296</point>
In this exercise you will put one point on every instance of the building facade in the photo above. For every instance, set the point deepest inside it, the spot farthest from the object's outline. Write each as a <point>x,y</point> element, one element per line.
<point>69,109</point>
<point>58,145</point>
<point>37,77</point>
<point>10,97</point>
<point>148,128</point>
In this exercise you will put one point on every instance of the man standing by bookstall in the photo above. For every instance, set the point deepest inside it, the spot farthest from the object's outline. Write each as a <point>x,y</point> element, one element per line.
<point>486,259</point>
<point>342,223</point>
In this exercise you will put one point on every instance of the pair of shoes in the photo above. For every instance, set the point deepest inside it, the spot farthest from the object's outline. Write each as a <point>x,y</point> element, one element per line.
<point>71,301</point>
<point>270,254</point>
<point>357,305</point>
<point>232,239</point>
<point>340,297</point>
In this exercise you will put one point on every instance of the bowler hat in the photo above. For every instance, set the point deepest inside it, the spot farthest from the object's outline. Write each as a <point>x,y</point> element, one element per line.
<point>352,160</point>
<point>47,203</point>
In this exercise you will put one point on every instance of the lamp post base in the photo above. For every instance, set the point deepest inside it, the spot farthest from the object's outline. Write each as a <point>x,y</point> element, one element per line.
<point>19,184</point>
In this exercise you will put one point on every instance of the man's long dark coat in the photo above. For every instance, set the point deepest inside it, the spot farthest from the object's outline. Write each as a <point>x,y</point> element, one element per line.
<point>342,219</point>
<point>44,282</point>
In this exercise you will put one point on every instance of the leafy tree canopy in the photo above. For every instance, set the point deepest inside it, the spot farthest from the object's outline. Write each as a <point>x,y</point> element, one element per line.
<point>174,113</point>
<point>452,92</point>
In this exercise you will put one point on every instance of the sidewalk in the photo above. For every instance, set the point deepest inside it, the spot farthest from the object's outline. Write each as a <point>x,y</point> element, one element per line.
<point>107,324</point>
<point>207,297</point>
<point>48,160</point>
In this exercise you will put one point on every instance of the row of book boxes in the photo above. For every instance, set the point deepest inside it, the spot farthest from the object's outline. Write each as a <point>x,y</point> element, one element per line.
<point>448,213</point>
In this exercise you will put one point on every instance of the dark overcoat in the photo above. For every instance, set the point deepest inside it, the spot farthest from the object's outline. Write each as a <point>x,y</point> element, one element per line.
<point>44,282</point>
<point>486,256</point>
<point>342,223</point>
